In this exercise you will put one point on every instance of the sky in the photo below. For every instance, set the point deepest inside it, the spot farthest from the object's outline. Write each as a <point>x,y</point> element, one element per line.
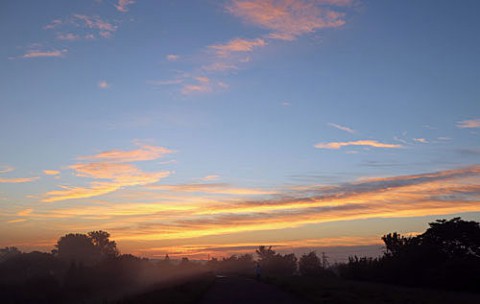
<point>206,128</point>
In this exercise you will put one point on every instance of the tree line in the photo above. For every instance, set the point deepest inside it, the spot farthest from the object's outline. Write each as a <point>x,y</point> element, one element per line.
<point>85,268</point>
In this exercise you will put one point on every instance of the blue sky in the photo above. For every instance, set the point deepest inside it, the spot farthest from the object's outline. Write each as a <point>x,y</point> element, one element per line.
<point>169,107</point>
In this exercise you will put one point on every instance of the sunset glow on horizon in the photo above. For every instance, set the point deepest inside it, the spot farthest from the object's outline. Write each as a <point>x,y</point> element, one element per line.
<point>208,128</point>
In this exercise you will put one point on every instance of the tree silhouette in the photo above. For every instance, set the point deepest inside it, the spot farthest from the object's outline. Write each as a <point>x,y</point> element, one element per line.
<point>310,264</point>
<point>8,252</point>
<point>274,263</point>
<point>79,248</point>
<point>101,241</point>
<point>446,255</point>
<point>454,238</point>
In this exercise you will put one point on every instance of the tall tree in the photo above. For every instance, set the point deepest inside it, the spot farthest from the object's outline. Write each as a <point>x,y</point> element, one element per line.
<point>101,241</point>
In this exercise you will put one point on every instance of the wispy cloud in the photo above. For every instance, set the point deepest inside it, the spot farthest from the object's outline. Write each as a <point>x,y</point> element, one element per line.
<point>119,176</point>
<point>25,212</point>
<point>68,37</point>
<point>421,140</point>
<point>165,82</point>
<point>18,180</point>
<point>44,53</point>
<point>284,20</point>
<point>51,172</point>
<point>342,128</point>
<point>469,124</point>
<point>172,57</point>
<point>210,178</point>
<point>122,5</point>
<point>91,27</point>
<point>364,143</point>
<point>105,29</point>
<point>6,169</point>
<point>16,221</point>
<point>103,84</point>
<point>288,19</point>
<point>186,217</point>
<point>238,45</point>
<point>111,172</point>
<point>14,180</point>
<point>212,188</point>
<point>143,153</point>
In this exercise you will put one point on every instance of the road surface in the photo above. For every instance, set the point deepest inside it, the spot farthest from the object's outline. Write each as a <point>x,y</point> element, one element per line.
<point>235,290</point>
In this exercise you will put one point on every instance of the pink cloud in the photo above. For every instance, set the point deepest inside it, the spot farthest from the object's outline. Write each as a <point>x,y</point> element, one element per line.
<point>172,57</point>
<point>95,22</point>
<point>68,37</point>
<point>39,53</point>
<point>238,45</point>
<point>469,124</point>
<point>365,143</point>
<point>103,84</point>
<point>122,5</point>
<point>288,19</point>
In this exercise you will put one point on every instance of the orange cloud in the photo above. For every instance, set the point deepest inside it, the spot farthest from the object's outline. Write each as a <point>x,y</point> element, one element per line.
<point>288,19</point>
<point>122,175</point>
<point>469,124</point>
<point>51,172</point>
<point>366,143</point>
<point>18,180</point>
<point>25,212</point>
<point>112,169</point>
<point>145,152</point>
<point>238,45</point>
<point>175,217</point>
<point>16,221</point>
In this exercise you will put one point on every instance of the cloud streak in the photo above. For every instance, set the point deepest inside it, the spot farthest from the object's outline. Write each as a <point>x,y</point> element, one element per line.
<point>469,124</point>
<point>342,128</point>
<point>18,180</point>
<point>143,153</point>
<point>363,143</point>
<point>189,217</point>
<point>14,180</point>
<point>44,54</point>
<point>238,45</point>
<point>111,172</point>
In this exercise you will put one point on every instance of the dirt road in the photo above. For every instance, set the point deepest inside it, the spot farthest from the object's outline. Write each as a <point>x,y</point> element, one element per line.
<point>235,290</point>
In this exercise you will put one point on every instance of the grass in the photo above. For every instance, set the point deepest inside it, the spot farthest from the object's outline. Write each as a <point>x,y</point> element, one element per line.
<point>337,291</point>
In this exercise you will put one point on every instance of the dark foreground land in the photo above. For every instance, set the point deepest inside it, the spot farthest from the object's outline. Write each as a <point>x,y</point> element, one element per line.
<point>337,290</point>
<point>237,290</point>
<point>296,290</point>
